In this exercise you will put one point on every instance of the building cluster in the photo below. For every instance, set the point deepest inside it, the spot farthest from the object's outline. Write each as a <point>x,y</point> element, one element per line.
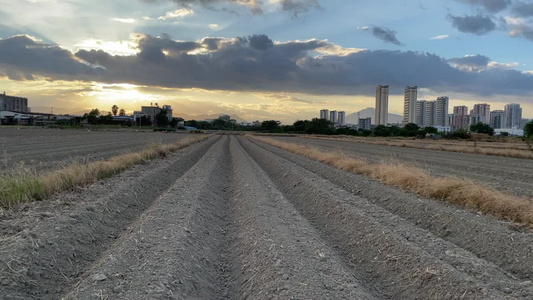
<point>15,111</point>
<point>150,112</point>
<point>434,113</point>
<point>336,117</point>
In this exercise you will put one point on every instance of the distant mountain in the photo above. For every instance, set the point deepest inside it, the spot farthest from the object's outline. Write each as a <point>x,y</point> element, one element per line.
<point>205,117</point>
<point>370,112</point>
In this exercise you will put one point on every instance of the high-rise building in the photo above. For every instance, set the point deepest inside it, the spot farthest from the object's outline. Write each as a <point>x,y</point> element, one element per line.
<point>420,112</point>
<point>513,115</point>
<point>324,114</point>
<point>13,103</point>
<point>441,111</point>
<point>365,124</point>
<point>333,116</point>
<point>480,113</point>
<point>382,105</point>
<point>451,118</point>
<point>461,117</point>
<point>341,117</point>
<point>409,104</point>
<point>430,113</point>
<point>497,119</point>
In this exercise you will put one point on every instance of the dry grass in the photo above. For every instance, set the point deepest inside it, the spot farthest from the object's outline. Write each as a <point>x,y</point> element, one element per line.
<point>24,185</point>
<point>504,149</point>
<point>454,190</point>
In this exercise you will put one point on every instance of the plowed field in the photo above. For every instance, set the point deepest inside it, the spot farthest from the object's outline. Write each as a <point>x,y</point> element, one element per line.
<point>51,148</point>
<point>234,218</point>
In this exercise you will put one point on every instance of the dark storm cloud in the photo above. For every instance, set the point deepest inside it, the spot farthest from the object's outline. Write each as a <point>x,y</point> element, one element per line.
<point>522,9</point>
<point>256,63</point>
<point>261,42</point>
<point>492,6</point>
<point>21,58</point>
<point>256,6</point>
<point>386,35</point>
<point>471,62</point>
<point>478,24</point>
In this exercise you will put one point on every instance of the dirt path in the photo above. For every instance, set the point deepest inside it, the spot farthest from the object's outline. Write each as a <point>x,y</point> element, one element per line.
<point>233,218</point>
<point>512,175</point>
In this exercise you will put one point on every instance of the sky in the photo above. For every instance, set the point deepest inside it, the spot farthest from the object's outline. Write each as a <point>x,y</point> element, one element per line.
<point>264,59</point>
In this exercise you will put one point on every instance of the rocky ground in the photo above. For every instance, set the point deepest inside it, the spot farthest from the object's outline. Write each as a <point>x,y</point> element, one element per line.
<point>234,218</point>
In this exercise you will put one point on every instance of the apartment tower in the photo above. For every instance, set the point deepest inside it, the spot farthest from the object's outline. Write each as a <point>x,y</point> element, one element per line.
<point>420,112</point>
<point>497,119</point>
<point>409,104</point>
<point>441,111</point>
<point>341,115</point>
<point>382,105</point>
<point>513,115</point>
<point>324,114</point>
<point>480,113</point>
<point>333,116</point>
<point>461,117</point>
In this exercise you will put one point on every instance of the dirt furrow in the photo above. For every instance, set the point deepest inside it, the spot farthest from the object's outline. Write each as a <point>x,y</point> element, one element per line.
<point>279,254</point>
<point>392,252</point>
<point>174,250</point>
<point>47,245</point>
<point>56,150</point>
<point>504,244</point>
<point>512,175</point>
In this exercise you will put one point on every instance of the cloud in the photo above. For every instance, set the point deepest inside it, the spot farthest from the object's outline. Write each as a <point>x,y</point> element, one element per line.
<point>213,26</point>
<point>471,63</point>
<point>440,37</point>
<point>25,58</point>
<point>260,42</point>
<point>385,34</point>
<point>179,13</point>
<point>498,65</point>
<point>492,6</point>
<point>522,9</point>
<point>519,27</point>
<point>257,63</point>
<point>296,7</point>
<point>478,24</point>
<point>127,21</point>
<point>286,98</point>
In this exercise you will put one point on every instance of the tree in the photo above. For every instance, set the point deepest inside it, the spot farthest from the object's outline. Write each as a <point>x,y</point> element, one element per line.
<point>192,123</point>
<point>92,116</point>
<point>319,126</point>
<point>174,122</point>
<point>114,109</point>
<point>107,119</point>
<point>300,126</point>
<point>122,112</point>
<point>528,130</point>
<point>270,125</point>
<point>412,129</point>
<point>162,119</point>
<point>382,130</point>
<point>482,128</point>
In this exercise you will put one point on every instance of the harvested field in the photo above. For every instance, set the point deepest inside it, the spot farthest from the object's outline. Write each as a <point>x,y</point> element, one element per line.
<point>49,148</point>
<point>234,218</point>
<point>482,144</point>
<point>511,175</point>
